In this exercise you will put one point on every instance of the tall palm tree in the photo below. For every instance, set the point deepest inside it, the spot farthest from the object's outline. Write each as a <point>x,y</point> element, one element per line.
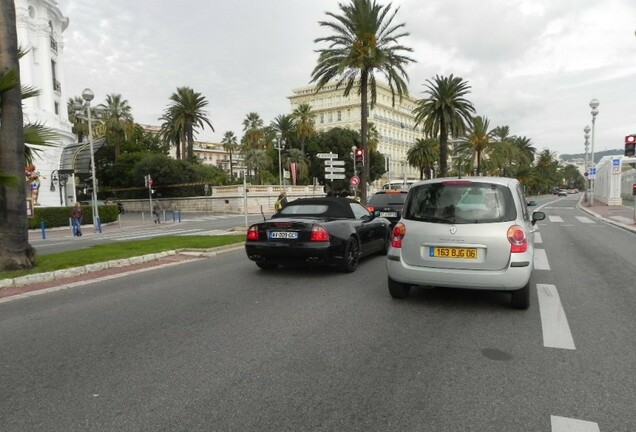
<point>16,252</point>
<point>117,114</point>
<point>305,121</point>
<point>254,135</point>
<point>444,112</point>
<point>258,161</point>
<point>285,124</point>
<point>302,166</point>
<point>477,140</point>
<point>527,150</point>
<point>171,132</point>
<point>230,145</point>
<point>365,40</point>
<point>187,109</point>
<point>423,155</point>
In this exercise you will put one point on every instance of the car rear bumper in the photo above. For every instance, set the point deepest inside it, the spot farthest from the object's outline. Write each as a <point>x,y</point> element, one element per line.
<point>298,253</point>
<point>513,277</point>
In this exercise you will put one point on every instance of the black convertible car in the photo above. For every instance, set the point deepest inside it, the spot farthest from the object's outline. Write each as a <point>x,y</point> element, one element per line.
<point>331,231</point>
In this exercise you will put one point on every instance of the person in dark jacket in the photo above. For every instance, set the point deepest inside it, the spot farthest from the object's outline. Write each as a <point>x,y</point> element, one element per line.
<point>76,219</point>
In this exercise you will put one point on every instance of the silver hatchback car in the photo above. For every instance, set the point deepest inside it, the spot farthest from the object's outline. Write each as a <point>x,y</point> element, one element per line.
<point>474,233</point>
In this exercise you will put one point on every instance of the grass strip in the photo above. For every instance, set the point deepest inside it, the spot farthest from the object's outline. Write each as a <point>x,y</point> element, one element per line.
<point>121,250</point>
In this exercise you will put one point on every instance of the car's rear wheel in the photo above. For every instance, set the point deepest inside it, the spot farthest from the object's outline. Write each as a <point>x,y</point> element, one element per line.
<point>398,290</point>
<point>521,298</point>
<point>351,256</point>
<point>266,266</point>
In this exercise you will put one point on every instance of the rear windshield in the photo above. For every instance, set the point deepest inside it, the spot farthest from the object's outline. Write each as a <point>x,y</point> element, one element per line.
<point>378,200</point>
<point>304,210</point>
<point>460,203</point>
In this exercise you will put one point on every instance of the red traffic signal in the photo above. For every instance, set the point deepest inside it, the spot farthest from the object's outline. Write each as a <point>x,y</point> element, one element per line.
<point>630,145</point>
<point>359,157</point>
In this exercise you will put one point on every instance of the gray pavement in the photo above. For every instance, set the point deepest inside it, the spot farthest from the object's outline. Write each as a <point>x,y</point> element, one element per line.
<point>621,216</point>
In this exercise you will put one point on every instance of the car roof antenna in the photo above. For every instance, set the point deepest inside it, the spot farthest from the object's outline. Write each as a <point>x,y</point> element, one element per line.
<point>264,218</point>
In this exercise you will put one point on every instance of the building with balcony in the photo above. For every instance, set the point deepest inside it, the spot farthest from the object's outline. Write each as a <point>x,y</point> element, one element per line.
<point>395,124</point>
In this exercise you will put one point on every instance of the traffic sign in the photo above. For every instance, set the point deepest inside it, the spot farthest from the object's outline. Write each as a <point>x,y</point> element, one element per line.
<point>334,169</point>
<point>334,162</point>
<point>335,176</point>
<point>355,180</point>
<point>327,156</point>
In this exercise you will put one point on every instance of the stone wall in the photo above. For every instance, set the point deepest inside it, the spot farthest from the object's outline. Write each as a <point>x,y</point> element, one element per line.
<point>226,199</point>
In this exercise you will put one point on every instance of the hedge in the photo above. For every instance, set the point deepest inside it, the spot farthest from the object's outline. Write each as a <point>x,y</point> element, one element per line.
<point>60,216</point>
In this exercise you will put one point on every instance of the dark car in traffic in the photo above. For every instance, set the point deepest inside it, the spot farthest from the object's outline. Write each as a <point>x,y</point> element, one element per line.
<point>388,204</point>
<point>327,231</point>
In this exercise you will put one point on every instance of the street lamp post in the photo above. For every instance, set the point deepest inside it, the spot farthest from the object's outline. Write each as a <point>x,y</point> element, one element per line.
<point>280,144</point>
<point>594,103</point>
<point>88,96</point>
<point>586,129</point>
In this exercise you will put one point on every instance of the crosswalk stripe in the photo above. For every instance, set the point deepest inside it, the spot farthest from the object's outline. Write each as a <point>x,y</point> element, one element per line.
<point>585,220</point>
<point>537,238</point>
<point>622,219</point>
<point>541,260</point>
<point>556,331</point>
<point>564,424</point>
<point>555,218</point>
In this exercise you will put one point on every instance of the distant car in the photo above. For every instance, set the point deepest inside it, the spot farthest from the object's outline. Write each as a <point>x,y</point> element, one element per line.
<point>331,231</point>
<point>388,204</point>
<point>562,192</point>
<point>474,233</point>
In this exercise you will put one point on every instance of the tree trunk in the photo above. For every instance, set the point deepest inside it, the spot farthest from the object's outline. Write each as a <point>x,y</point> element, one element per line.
<point>190,141</point>
<point>16,252</point>
<point>364,175</point>
<point>231,170</point>
<point>443,150</point>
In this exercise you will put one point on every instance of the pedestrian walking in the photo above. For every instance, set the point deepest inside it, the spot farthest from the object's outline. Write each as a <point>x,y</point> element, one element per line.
<point>76,219</point>
<point>155,211</point>
<point>281,201</point>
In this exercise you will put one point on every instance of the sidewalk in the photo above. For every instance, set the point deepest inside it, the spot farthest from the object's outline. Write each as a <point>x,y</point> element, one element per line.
<point>621,216</point>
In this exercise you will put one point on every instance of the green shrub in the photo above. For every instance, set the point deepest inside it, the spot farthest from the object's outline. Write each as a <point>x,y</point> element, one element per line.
<point>60,216</point>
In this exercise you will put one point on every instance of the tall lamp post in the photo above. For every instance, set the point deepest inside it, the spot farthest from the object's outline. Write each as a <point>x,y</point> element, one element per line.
<point>587,129</point>
<point>280,145</point>
<point>88,96</point>
<point>594,103</point>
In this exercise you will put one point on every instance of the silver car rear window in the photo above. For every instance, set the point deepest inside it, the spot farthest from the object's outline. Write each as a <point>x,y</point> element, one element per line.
<point>460,202</point>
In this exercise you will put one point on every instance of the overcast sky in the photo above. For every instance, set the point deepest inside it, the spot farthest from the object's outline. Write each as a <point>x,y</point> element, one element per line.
<point>533,65</point>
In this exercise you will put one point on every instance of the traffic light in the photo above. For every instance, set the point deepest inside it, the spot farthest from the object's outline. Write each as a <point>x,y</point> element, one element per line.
<point>630,145</point>
<point>359,157</point>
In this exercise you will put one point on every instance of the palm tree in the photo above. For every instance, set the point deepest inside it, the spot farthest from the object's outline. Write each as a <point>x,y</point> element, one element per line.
<point>171,132</point>
<point>285,124</point>
<point>302,167</point>
<point>477,140</point>
<point>423,155</point>
<point>116,113</point>
<point>230,145</point>
<point>304,119</point>
<point>257,160</point>
<point>187,110</point>
<point>444,112</point>
<point>365,40</point>
<point>80,127</point>
<point>16,252</point>
<point>254,135</point>
<point>526,149</point>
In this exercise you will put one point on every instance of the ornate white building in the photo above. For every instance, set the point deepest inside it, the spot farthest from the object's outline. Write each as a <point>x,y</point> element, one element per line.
<point>395,124</point>
<point>40,25</point>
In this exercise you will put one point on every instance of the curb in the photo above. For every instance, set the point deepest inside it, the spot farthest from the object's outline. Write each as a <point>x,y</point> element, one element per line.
<point>604,219</point>
<point>125,262</point>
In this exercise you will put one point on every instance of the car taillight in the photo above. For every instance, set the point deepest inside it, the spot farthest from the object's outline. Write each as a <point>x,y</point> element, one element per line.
<point>398,234</point>
<point>252,233</point>
<point>319,234</point>
<point>371,208</point>
<point>518,239</point>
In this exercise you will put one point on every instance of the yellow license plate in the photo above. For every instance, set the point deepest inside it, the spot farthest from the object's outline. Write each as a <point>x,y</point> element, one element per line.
<point>445,252</point>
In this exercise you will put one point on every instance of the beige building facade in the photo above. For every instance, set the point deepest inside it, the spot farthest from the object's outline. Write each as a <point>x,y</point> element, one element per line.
<point>395,124</point>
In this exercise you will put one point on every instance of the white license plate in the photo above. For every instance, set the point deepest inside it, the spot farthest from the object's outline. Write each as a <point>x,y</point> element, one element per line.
<point>388,214</point>
<point>283,235</point>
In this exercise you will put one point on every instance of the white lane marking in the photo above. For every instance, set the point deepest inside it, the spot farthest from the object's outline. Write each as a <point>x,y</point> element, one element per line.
<point>156,234</point>
<point>564,424</point>
<point>555,218</point>
<point>541,260</point>
<point>584,219</point>
<point>556,331</point>
<point>622,219</point>
<point>537,238</point>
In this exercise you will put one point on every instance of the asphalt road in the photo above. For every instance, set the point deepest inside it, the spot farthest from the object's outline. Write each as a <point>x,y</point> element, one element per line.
<point>218,345</point>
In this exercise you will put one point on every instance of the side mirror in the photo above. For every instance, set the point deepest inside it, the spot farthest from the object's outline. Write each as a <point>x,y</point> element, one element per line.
<point>537,216</point>
<point>367,218</point>
<point>376,213</point>
<point>531,203</point>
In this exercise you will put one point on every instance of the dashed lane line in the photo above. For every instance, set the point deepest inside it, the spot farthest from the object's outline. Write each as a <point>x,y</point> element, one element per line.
<point>564,424</point>
<point>554,323</point>
<point>541,260</point>
<point>537,238</point>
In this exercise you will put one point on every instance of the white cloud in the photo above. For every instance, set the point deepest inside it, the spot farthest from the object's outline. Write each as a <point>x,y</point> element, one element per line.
<point>532,64</point>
